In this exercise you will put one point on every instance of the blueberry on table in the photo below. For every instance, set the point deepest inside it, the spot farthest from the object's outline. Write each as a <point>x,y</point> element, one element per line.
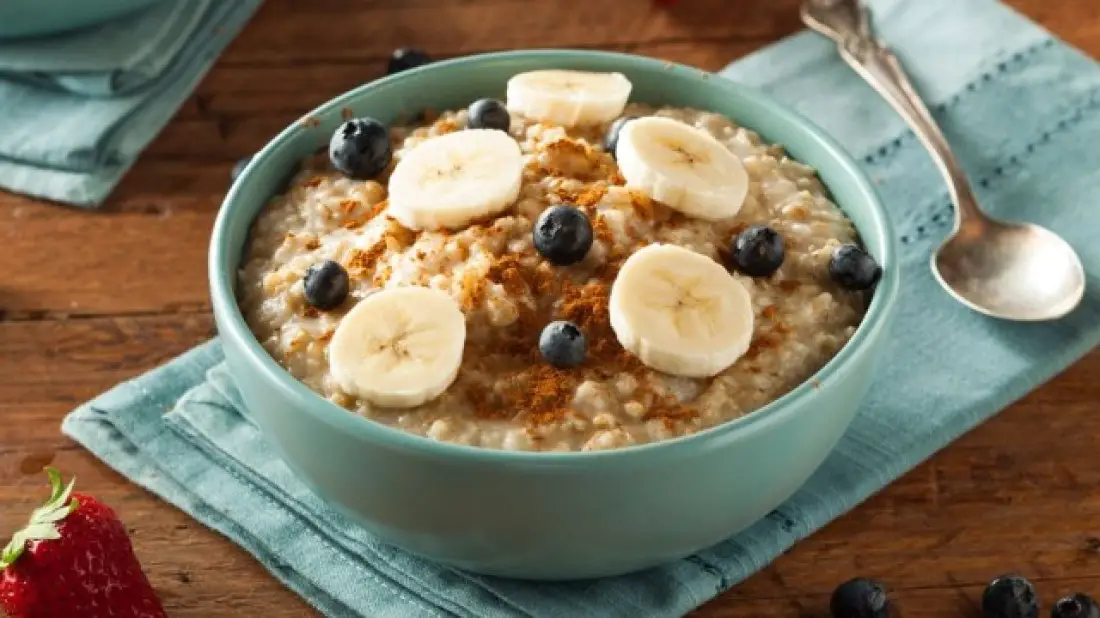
<point>853,268</point>
<point>326,285</point>
<point>360,148</point>
<point>1078,605</point>
<point>1010,596</point>
<point>238,167</point>
<point>406,58</point>
<point>859,598</point>
<point>611,140</point>
<point>563,235</point>
<point>758,251</point>
<point>488,114</point>
<point>562,344</point>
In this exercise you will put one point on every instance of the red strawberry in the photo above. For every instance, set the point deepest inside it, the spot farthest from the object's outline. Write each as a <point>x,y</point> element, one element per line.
<point>74,560</point>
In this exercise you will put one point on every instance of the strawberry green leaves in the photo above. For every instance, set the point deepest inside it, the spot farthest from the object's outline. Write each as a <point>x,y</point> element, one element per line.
<point>43,522</point>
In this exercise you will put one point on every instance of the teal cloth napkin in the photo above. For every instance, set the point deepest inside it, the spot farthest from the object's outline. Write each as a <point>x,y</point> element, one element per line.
<point>77,109</point>
<point>1022,110</point>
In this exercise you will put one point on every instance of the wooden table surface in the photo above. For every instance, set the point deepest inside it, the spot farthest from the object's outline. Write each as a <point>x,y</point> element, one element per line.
<point>88,299</point>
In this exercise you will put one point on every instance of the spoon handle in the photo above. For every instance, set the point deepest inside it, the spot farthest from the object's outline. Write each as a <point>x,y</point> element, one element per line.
<point>848,23</point>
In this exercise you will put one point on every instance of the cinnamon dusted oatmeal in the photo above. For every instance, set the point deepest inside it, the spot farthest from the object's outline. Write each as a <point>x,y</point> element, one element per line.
<point>506,393</point>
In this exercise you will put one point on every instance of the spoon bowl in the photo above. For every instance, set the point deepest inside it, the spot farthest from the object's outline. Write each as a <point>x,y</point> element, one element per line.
<point>1014,271</point>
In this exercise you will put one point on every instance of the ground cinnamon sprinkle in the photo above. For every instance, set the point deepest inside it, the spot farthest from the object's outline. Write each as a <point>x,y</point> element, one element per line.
<point>377,209</point>
<point>310,311</point>
<point>587,307</point>
<point>587,198</point>
<point>315,181</point>
<point>473,290</point>
<point>591,195</point>
<point>347,206</point>
<point>326,336</point>
<point>446,125</point>
<point>670,413</point>
<point>542,393</point>
<point>788,285</point>
<point>374,211</point>
<point>506,271</point>
<point>769,311</point>
<point>762,342</point>
<point>643,205</point>
<point>382,276</point>
<point>399,234</point>
<point>601,230</point>
<point>362,262</point>
<point>799,213</point>
<point>311,244</point>
<point>545,279</point>
<point>570,158</point>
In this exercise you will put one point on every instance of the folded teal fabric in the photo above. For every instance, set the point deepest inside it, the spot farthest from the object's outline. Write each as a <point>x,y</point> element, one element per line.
<point>1023,111</point>
<point>79,108</point>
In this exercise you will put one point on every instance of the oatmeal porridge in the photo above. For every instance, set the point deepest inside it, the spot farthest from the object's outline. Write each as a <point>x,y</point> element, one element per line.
<point>564,270</point>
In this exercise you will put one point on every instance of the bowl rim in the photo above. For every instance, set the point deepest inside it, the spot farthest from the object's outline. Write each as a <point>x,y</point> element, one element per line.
<point>232,325</point>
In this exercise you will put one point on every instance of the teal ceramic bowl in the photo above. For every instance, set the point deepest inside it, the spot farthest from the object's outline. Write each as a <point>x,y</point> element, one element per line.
<point>25,18</point>
<point>552,515</point>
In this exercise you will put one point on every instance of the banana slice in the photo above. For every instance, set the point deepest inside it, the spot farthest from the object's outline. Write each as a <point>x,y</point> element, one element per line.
<point>452,180</point>
<point>569,98</point>
<point>683,167</point>
<point>399,347</point>
<point>680,312</point>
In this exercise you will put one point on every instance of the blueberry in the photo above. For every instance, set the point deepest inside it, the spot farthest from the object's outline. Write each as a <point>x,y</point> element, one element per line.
<point>238,167</point>
<point>859,598</point>
<point>360,148</point>
<point>326,285</point>
<point>562,344</point>
<point>758,251</point>
<point>488,114</point>
<point>563,235</point>
<point>406,58</point>
<point>1078,605</point>
<point>853,268</point>
<point>611,140</point>
<point>1010,596</point>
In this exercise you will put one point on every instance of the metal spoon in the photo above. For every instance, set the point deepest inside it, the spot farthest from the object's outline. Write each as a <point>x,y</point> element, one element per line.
<point>1015,271</point>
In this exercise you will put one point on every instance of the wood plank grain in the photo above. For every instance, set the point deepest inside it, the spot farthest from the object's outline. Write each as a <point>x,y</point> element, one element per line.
<point>450,28</point>
<point>48,368</point>
<point>83,263</point>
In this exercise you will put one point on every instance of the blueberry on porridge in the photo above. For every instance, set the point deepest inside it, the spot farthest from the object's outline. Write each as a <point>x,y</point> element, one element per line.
<point>360,148</point>
<point>488,114</point>
<point>325,285</point>
<point>853,268</point>
<point>540,274</point>
<point>611,139</point>
<point>563,235</point>
<point>758,251</point>
<point>562,344</point>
